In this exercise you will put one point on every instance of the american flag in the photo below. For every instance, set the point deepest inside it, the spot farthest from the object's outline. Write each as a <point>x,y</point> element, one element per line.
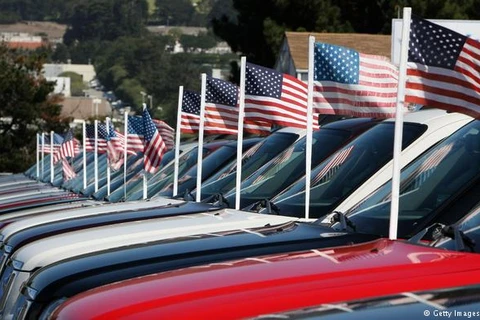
<point>57,141</point>
<point>90,139</point>
<point>154,146</point>
<point>190,117</point>
<point>115,146</point>
<point>135,134</point>
<point>332,166</point>
<point>167,133</point>
<point>68,172</point>
<point>221,110</point>
<point>67,148</point>
<point>443,68</point>
<point>275,98</point>
<point>347,82</point>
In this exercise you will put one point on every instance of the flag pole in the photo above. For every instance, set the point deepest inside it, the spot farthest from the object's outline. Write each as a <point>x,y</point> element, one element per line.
<point>200,138</point>
<point>309,134</point>
<point>397,143</point>
<point>125,149</point>
<point>107,122</point>
<point>177,140</point>
<point>145,184</point>
<point>96,155</point>
<point>52,168</point>
<point>43,155</point>
<point>84,129</point>
<point>241,116</point>
<point>38,156</point>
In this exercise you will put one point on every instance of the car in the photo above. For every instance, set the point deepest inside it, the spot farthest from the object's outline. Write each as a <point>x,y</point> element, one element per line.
<point>210,164</point>
<point>186,161</point>
<point>352,173</point>
<point>457,302</point>
<point>288,166</point>
<point>252,159</point>
<point>71,276</point>
<point>267,284</point>
<point>48,250</point>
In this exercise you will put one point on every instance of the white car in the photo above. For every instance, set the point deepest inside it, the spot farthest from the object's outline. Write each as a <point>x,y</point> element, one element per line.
<point>349,175</point>
<point>52,249</point>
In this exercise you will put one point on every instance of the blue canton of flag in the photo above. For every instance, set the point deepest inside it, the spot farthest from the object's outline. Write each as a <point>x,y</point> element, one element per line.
<point>135,125</point>
<point>221,92</point>
<point>263,81</point>
<point>335,63</point>
<point>275,98</point>
<point>191,102</point>
<point>190,116</point>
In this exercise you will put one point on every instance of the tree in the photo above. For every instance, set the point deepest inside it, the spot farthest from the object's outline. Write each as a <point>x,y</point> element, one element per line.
<point>174,12</point>
<point>98,20</point>
<point>26,107</point>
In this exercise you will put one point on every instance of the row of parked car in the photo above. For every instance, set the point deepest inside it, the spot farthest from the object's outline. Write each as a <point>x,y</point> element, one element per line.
<point>69,252</point>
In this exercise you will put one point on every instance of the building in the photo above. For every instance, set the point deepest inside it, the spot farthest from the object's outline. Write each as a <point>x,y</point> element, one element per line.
<point>20,40</point>
<point>87,71</point>
<point>83,108</point>
<point>293,55</point>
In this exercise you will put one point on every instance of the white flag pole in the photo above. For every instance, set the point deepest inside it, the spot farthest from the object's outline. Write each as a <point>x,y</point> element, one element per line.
<point>96,155</point>
<point>107,122</point>
<point>84,129</point>
<point>43,155</point>
<point>52,168</point>
<point>397,144</point>
<point>200,138</point>
<point>177,140</point>
<point>241,116</point>
<point>145,184</point>
<point>38,156</point>
<point>125,149</point>
<point>309,139</point>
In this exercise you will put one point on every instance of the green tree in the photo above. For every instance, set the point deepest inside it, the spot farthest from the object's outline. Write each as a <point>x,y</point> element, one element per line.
<point>26,107</point>
<point>174,12</point>
<point>77,86</point>
<point>98,20</point>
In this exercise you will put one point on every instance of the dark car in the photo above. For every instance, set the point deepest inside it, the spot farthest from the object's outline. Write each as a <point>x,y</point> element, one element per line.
<point>186,161</point>
<point>289,166</point>
<point>211,164</point>
<point>453,303</point>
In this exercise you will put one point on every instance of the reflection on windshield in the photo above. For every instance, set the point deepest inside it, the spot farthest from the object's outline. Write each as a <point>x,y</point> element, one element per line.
<point>288,166</point>
<point>252,160</point>
<point>335,178</point>
<point>426,184</point>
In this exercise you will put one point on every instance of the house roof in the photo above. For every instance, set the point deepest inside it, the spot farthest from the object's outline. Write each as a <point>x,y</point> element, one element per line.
<point>81,108</point>
<point>365,43</point>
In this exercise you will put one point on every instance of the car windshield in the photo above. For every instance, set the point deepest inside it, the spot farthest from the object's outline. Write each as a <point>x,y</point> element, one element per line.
<point>134,185</point>
<point>287,167</point>
<point>427,184</point>
<point>254,158</point>
<point>340,174</point>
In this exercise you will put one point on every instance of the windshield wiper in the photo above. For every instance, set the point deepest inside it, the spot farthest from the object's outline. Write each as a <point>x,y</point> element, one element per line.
<point>461,239</point>
<point>218,200</point>
<point>344,221</point>
<point>441,231</point>
<point>264,206</point>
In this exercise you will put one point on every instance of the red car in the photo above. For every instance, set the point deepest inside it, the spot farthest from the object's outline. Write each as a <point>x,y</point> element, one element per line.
<point>262,285</point>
